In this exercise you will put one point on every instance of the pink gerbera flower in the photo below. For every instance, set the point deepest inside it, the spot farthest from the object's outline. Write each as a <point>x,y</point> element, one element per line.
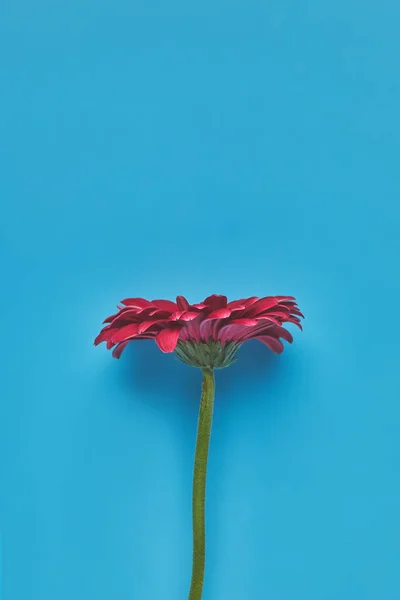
<point>210,331</point>
<point>205,335</point>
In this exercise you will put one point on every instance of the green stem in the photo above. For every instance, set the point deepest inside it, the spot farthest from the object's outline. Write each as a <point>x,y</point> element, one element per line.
<point>199,483</point>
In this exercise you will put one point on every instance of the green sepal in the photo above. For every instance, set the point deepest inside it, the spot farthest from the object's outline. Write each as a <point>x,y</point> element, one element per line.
<point>207,355</point>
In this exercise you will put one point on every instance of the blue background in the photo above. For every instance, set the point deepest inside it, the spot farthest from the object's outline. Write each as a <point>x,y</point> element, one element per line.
<point>150,149</point>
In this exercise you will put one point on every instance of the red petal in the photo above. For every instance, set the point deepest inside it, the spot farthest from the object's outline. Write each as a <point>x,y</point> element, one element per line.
<point>176,315</point>
<point>233,333</point>
<point>260,306</point>
<point>144,326</point>
<point>278,308</point>
<point>138,302</point>
<point>249,301</point>
<point>165,305</point>
<point>283,298</point>
<point>125,317</point>
<point>294,320</point>
<point>110,318</point>
<point>182,303</point>
<point>149,335</point>
<point>282,333</point>
<point>191,330</point>
<point>272,343</point>
<point>277,312</point>
<point>209,329</point>
<point>129,309</point>
<point>200,305</point>
<point>104,335</point>
<point>262,328</point>
<point>167,339</point>
<point>220,313</point>
<point>237,305</point>
<point>246,322</point>
<point>267,317</point>
<point>216,301</point>
<point>149,311</point>
<point>159,315</point>
<point>189,316</point>
<point>124,333</point>
<point>120,348</point>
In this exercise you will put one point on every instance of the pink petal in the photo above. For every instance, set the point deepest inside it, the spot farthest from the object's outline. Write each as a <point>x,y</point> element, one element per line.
<point>124,333</point>
<point>130,310</point>
<point>237,305</point>
<point>189,316</point>
<point>294,320</point>
<point>149,335</point>
<point>144,326</point>
<point>262,328</point>
<point>148,311</point>
<point>272,343</point>
<point>191,330</point>
<point>165,305</point>
<point>232,333</point>
<point>220,313</point>
<point>167,339</point>
<point>281,314</point>
<point>120,348</point>
<point>260,306</point>
<point>182,303</point>
<point>206,330</point>
<point>110,318</point>
<point>296,311</point>
<point>209,329</point>
<point>138,302</point>
<point>125,317</point>
<point>283,298</point>
<point>246,322</point>
<point>176,315</point>
<point>267,317</point>
<point>200,305</point>
<point>216,301</point>
<point>104,335</point>
<point>249,301</point>
<point>280,332</point>
<point>278,308</point>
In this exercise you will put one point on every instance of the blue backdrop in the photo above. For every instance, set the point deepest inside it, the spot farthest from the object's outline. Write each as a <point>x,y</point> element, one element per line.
<point>240,149</point>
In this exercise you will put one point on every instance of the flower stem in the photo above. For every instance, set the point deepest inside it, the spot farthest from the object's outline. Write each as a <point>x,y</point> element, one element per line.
<point>199,483</point>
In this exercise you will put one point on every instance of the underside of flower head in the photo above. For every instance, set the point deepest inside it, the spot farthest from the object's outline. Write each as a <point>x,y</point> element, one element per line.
<point>207,355</point>
<point>214,328</point>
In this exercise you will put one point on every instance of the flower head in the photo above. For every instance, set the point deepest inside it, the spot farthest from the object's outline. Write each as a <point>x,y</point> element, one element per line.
<point>206,334</point>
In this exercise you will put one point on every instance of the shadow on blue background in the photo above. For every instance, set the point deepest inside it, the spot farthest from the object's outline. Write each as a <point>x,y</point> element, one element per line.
<point>177,149</point>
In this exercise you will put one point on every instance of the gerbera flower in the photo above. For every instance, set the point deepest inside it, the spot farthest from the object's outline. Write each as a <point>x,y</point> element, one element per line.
<point>205,335</point>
